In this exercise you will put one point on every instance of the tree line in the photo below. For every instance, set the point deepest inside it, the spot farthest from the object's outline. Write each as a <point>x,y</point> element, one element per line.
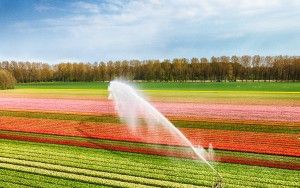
<point>224,68</point>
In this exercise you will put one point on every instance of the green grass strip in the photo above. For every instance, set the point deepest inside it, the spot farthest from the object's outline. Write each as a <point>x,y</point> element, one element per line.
<point>42,181</point>
<point>91,173</point>
<point>125,169</point>
<point>28,182</point>
<point>212,86</point>
<point>83,178</point>
<point>8,183</point>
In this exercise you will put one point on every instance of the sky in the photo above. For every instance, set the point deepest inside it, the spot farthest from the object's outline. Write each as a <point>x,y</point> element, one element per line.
<point>54,31</point>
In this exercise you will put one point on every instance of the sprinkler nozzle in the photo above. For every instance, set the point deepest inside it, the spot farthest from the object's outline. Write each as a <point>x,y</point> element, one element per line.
<point>218,184</point>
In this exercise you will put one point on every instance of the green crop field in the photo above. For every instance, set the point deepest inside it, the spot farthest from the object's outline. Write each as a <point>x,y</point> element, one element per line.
<point>190,86</point>
<point>225,92</point>
<point>25,163</point>
<point>66,134</point>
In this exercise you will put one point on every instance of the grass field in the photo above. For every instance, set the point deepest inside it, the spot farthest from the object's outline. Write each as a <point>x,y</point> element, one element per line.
<point>66,135</point>
<point>190,86</point>
<point>222,93</point>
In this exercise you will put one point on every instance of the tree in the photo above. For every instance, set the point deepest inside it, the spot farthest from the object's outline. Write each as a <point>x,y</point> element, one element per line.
<point>225,68</point>
<point>216,69</point>
<point>268,66</point>
<point>7,80</point>
<point>180,69</point>
<point>205,69</point>
<point>236,67</point>
<point>102,72</point>
<point>166,67</point>
<point>245,62</point>
<point>195,69</point>
<point>256,63</point>
<point>110,71</point>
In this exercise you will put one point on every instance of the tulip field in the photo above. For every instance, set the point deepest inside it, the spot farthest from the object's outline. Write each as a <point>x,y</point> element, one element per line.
<point>68,135</point>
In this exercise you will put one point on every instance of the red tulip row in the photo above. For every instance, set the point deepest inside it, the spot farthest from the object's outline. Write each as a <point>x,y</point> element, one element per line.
<point>154,151</point>
<point>281,144</point>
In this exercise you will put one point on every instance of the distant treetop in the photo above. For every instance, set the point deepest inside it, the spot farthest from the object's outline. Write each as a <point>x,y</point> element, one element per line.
<point>224,68</point>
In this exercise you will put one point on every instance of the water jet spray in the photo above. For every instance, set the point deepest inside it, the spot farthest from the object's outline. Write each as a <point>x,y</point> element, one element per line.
<point>131,107</point>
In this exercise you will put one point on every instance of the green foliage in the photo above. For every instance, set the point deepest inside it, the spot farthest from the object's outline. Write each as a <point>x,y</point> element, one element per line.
<point>7,80</point>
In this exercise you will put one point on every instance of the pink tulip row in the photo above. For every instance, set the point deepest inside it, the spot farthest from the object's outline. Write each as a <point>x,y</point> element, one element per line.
<point>287,114</point>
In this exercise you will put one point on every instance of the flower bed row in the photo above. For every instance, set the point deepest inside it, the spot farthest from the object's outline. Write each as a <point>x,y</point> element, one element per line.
<point>282,144</point>
<point>154,151</point>
<point>183,110</point>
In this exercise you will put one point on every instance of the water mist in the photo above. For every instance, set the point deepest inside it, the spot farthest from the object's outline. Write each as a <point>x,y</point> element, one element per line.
<point>132,108</point>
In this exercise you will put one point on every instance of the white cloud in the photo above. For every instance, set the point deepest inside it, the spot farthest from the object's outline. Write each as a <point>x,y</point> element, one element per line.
<point>147,29</point>
<point>132,13</point>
